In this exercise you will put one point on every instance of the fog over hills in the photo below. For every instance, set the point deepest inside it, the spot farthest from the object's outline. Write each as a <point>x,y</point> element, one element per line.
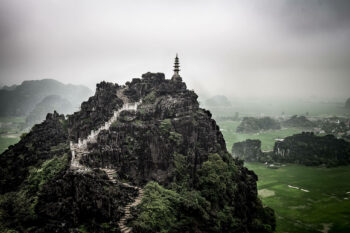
<point>256,48</point>
<point>38,97</point>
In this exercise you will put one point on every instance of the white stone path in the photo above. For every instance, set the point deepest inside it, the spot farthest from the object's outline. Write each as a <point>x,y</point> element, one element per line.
<point>80,149</point>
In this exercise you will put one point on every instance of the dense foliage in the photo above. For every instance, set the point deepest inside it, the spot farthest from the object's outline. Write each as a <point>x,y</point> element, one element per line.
<point>18,209</point>
<point>209,206</point>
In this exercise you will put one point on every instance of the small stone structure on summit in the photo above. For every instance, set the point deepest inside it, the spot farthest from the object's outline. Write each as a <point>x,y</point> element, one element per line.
<point>176,75</point>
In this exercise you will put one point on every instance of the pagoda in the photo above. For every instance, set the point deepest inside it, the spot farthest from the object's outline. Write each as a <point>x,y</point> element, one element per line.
<point>176,75</point>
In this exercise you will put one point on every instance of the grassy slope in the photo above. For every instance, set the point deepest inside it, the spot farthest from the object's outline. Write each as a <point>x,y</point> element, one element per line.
<point>228,129</point>
<point>299,211</point>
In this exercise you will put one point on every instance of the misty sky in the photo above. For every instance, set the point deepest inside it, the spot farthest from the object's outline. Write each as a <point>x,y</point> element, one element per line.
<point>261,48</point>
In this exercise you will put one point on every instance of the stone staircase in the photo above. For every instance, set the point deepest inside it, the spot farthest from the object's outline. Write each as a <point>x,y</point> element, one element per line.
<point>127,215</point>
<point>80,149</point>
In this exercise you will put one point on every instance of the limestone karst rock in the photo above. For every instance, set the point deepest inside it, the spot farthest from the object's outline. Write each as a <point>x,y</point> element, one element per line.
<point>248,150</point>
<point>309,149</point>
<point>299,122</point>
<point>254,125</point>
<point>347,104</point>
<point>142,157</point>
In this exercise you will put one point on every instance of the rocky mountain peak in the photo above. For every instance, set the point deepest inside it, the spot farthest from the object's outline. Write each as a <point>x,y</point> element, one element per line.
<point>134,154</point>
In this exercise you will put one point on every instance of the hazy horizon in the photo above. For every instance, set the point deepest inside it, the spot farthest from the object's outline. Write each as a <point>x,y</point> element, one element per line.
<point>241,49</point>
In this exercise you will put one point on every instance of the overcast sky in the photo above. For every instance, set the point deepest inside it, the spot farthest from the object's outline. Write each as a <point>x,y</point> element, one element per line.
<point>274,48</point>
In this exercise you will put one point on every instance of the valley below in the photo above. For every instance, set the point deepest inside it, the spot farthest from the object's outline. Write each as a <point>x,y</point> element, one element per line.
<point>306,199</point>
<point>324,208</point>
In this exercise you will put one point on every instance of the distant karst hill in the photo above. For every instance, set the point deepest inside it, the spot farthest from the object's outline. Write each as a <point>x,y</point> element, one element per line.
<point>299,122</point>
<point>305,148</point>
<point>49,104</point>
<point>139,157</point>
<point>254,125</point>
<point>347,104</point>
<point>218,101</point>
<point>309,149</point>
<point>20,100</point>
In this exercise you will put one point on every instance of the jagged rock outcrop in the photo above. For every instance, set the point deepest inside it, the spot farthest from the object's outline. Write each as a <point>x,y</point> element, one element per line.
<point>309,149</point>
<point>141,145</point>
<point>164,144</point>
<point>254,125</point>
<point>94,112</point>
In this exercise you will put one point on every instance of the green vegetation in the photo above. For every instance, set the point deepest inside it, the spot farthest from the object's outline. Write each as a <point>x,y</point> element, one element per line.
<point>17,208</point>
<point>267,138</point>
<point>165,125</point>
<point>168,130</point>
<point>39,176</point>
<point>150,98</point>
<point>327,204</point>
<point>208,206</point>
<point>158,209</point>
<point>216,179</point>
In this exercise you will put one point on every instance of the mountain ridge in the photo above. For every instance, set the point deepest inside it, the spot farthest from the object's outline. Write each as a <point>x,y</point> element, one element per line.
<point>21,99</point>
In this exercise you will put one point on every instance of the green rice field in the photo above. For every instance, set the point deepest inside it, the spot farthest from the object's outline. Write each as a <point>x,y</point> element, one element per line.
<point>305,199</point>
<point>324,208</point>
<point>10,131</point>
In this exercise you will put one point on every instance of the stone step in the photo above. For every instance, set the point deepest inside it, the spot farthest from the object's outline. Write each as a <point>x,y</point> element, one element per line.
<point>123,229</point>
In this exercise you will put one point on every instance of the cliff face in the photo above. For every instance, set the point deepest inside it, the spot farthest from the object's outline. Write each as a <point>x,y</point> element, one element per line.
<point>141,155</point>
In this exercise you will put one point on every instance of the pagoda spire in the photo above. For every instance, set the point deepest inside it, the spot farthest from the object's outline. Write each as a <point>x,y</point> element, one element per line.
<point>176,67</point>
